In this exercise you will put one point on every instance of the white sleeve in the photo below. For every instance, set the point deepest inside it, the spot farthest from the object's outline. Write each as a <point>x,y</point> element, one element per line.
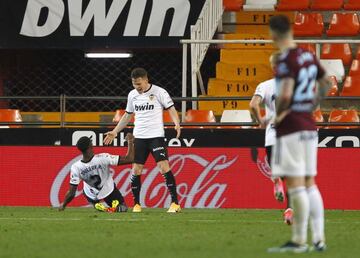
<point>110,159</point>
<point>165,99</point>
<point>129,105</point>
<point>260,91</point>
<point>74,176</point>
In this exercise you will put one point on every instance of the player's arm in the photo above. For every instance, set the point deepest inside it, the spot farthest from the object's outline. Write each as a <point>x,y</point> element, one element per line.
<point>129,158</point>
<point>68,197</point>
<point>175,118</point>
<point>283,100</point>
<point>110,136</point>
<point>255,109</point>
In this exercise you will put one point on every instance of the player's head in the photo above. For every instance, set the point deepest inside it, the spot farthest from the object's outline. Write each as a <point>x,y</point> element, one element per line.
<point>280,30</point>
<point>139,78</point>
<point>274,58</point>
<point>84,144</point>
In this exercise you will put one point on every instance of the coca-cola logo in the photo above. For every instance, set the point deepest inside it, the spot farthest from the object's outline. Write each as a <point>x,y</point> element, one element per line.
<point>202,188</point>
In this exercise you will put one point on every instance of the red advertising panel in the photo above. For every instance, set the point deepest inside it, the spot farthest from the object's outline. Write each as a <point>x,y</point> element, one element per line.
<point>206,177</point>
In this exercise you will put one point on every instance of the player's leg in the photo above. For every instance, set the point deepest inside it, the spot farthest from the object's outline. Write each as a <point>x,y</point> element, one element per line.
<point>141,154</point>
<point>159,152</point>
<point>116,201</point>
<point>278,184</point>
<point>315,199</point>
<point>289,161</point>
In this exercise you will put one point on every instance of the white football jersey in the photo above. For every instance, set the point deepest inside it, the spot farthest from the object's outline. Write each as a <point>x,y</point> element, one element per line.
<point>148,108</point>
<point>96,174</point>
<point>266,90</point>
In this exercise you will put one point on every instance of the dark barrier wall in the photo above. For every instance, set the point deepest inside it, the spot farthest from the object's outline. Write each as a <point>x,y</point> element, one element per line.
<point>88,24</point>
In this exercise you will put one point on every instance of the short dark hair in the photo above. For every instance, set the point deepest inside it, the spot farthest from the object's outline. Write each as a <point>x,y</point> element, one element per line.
<point>83,143</point>
<point>138,73</point>
<point>280,24</point>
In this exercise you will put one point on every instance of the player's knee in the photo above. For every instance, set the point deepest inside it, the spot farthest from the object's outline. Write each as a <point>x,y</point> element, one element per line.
<point>163,166</point>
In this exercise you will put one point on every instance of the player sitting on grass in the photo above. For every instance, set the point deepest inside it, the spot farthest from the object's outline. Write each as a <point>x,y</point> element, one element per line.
<point>94,170</point>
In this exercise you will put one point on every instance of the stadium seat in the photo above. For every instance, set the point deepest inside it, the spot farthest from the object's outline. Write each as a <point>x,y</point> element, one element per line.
<point>352,5</point>
<point>308,25</point>
<point>233,5</point>
<point>325,5</point>
<point>334,90</point>
<point>293,5</point>
<point>337,51</point>
<point>241,72</point>
<point>334,67</point>
<point>118,114</point>
<point>343,24</point>
<point>219,106</point>
<point>10,115</point>
<point>260,5</point>
<point>167,117</point>
<point>343,116</point>
<point>218,87</point>
<point>243,56</point>
<point>318,116</point>
<point>253,29</point>
<point>355,68</point>
<point>351,86</point>
<point>309,47</point>
<point>200,116</point>
<point>229,116</point>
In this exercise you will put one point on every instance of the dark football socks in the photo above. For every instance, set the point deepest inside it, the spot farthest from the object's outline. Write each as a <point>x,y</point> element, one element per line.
<point>136,187</point>
<point>171,185</point>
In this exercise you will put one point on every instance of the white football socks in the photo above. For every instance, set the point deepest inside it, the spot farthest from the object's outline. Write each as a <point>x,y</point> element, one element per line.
<point>316,214</point>
<point>299,201</point>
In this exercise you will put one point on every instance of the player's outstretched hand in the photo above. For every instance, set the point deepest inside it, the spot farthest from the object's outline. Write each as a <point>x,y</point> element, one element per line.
<point>178,131</point>
<point>129,137</point>
<point>110,136</point>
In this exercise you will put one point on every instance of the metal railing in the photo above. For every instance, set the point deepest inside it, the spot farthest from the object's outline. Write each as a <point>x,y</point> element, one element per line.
<point>63,99</point>
<point>192,42</point>
<point>209,20</point>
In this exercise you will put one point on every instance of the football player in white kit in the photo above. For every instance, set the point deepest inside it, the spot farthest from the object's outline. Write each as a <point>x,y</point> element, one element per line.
<point>94,170</point>
<point>265,93</point>
<point>147,102</point>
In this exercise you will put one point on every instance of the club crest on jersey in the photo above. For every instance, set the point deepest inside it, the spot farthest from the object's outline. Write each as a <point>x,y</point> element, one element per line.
<point>151,97</point>
<point>144,107</point>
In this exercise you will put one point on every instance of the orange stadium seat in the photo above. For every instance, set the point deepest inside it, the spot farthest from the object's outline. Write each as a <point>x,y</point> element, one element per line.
<point>343,24</point>
<point>355,68</point>
<point>200,116</point>
<point>309,47</point>
<point>233,5</point>
<point>352,5</point>
<point>325,5</point>
<point>358,53</point>
<point>337,51</point>
<point>334,90</point>
<point>293,5</point>
<point>118,114</point>
<point>10,115</point>
<point>308,25</point>
<point>318,116</point>
<point>351,86</point>
<point>167,117</point>
<point>343,116</point>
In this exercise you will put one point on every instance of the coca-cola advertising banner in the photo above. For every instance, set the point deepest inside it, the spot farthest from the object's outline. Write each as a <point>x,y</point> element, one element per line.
<point>92,24</point>
<point>206,177</point>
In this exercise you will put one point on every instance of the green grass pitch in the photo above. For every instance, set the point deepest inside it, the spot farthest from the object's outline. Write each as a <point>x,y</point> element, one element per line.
<point>194,233</point>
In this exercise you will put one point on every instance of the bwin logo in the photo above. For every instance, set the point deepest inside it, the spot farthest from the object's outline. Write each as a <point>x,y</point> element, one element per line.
<point>144,107</point>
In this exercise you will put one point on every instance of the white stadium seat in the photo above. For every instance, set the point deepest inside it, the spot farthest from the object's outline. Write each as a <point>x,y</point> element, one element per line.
<point>229,116</point>
<point>261,5</point>
<point>334,67</point>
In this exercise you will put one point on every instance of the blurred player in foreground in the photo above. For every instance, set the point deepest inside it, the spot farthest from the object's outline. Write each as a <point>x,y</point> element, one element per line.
<point>94,170</point>
<point>295,151</point>
<point>265,93</point>
<point>148,102</point>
